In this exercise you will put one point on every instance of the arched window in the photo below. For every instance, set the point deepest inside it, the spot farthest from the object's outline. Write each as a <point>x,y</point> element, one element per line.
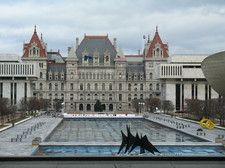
<point>34,86</point>
<point>50,86</point>
<point>71,97</point>
<point>110,97</point>
<point>34,51</point>
<point>120,97</point>
<point>81,86</point>
<point>150,75</point>
<point>88,97</point>
<point>56,86</point>
<point>56,96</point>
<point>129,87</point>
<point>41,74</point>
<point>120,86</point>
<point>96,86</point>
<point>135,96</point>
<point>157,86</point>
<point>41,86</point>
<point>71,86</point>
<point>62,96</point>
<point>141,96</point>
<point>103,86</point>
<point>150,86</point>
<point>141,86</point>
<point>88,86</point>
<point>110,86</point>
<point>103,97</point>
<point>129,97</point>
<point>62,86</point>
<point>96,96</point>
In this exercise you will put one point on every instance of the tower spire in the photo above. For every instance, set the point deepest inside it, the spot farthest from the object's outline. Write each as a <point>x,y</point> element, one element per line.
<point>35,28</point>
<point>156,28</point>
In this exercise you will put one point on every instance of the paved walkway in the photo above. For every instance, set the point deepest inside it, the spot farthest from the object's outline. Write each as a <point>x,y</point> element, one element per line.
<point>188,127</point>
<point>26,132</point>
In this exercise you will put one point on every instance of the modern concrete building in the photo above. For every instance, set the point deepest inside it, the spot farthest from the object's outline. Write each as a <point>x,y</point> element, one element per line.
<point>213,68</point>
<point>98,70</point>
<point>182,78</point>
<point>16,78</point>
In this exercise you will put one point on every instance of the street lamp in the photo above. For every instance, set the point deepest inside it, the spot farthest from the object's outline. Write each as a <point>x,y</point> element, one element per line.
<point>140,103</point>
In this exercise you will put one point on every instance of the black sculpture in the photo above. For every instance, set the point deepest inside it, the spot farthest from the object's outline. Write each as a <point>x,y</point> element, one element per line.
<point>132,142</point>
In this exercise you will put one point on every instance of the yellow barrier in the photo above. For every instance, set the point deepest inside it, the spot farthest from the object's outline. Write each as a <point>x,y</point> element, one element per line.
<point>206,123</point>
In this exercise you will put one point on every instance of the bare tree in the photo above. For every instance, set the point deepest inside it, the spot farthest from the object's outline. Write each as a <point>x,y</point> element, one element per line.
<point>23,106</point>
<point>152,103</point>
<point>4,102</point>
<point>194,108</point>
<point>167,105</point>
<point>34,104</point>
<point>6,109</point>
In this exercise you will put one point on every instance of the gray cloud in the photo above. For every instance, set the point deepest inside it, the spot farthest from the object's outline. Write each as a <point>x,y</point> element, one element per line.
<point>189,26</point>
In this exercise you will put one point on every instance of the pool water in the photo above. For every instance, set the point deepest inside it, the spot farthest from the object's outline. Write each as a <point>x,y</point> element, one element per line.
<point>112,151</point>
<point>109,130</point>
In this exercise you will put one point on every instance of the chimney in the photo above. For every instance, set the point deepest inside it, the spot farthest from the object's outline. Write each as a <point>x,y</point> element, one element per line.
<point>139,52</point>
<point>114,43</point>
<point>77,42</point>
<point>69,48</point>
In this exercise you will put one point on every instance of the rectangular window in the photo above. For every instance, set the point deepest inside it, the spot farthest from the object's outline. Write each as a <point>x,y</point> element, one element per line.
<point>206,92</point>
<point>177,96</point>
<point>15,94</point>
<point>11,94</point>
<point>1,90</point>
<point>25,91</point>
<point>196,91</point>
<point>192,91</point>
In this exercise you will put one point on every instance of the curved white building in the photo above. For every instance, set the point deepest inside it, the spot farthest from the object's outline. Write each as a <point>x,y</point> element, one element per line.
<point>214,70</point>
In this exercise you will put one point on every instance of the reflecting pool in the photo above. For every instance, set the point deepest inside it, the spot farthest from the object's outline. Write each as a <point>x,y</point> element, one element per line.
<point>109,130</point>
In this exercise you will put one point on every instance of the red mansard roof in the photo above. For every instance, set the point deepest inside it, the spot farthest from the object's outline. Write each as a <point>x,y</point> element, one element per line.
<point>156,40</point>
<point>34,39</point>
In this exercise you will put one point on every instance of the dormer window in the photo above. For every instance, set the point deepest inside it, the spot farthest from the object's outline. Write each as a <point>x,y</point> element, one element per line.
<point>56,75</point>
<point>50,75</point>
<point>34,50</point>
<point>135,76</point>
<point>107,57</point>
<point>62,75</point>
<point>129,76</point>
<point>157,51</point>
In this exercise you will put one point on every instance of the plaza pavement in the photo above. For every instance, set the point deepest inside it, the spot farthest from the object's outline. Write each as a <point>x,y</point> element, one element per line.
<point>189,127</point>
<point>44,126</point>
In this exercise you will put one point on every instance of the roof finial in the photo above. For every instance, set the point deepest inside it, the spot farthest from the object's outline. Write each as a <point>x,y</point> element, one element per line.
<point>148,38</point>
<point>35,28</point>
<point>41,37</point>
<point>156,28</point>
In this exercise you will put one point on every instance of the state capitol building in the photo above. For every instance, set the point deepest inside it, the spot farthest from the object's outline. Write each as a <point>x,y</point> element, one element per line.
<point>98,70</point>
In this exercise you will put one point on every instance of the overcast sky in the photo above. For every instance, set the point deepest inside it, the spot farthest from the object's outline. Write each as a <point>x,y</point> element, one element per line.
<point>189,26</point>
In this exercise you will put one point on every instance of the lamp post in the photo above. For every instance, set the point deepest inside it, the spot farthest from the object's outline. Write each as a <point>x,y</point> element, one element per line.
<point>140,103</point>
